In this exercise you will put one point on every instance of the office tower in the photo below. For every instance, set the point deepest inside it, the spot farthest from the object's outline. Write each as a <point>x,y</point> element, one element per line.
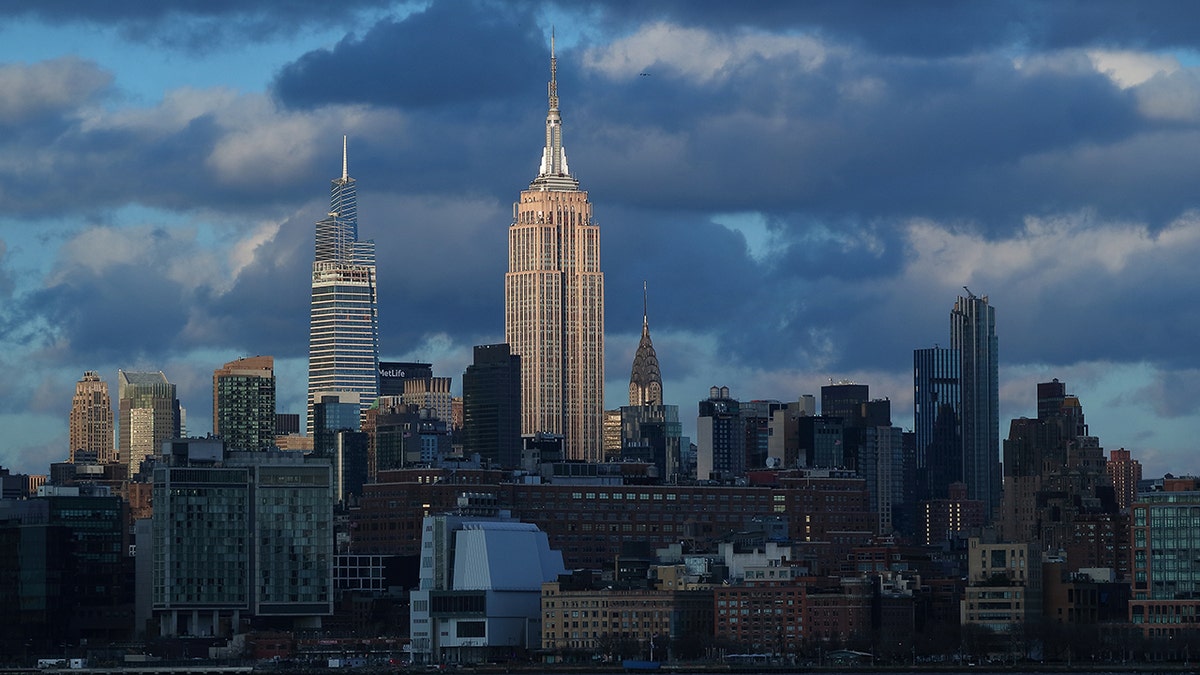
<point>91,421</point>
<point>973,334</point>
<point>393,375</point>
<point>720,439</point>
<point>333,411</point>
<point>653,434</point>
<point>554,300</point>
<point>149,415</point>
<point>431,393</point>
<point>845,400</point>
<point>239,538</point>
<point>244,403</point>
<point>492,406</point>
<point>937,406</point>
<point>756,420</point>
<point>645,380</point>
<point>343,340</point>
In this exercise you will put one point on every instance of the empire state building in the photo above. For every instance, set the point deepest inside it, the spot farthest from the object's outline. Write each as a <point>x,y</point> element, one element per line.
<point>554,300</point>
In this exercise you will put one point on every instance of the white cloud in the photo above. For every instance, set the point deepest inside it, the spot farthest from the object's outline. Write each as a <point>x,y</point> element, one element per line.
<point>698,54</point>
<point>29,90</point>
<point>1129,69</point>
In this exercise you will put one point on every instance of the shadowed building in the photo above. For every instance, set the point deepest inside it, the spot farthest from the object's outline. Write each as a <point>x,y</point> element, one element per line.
<point>244,403</point>
<point>973,334</point>
<point>492,406</point>
<point>937,414</point>
<point>554,300</point>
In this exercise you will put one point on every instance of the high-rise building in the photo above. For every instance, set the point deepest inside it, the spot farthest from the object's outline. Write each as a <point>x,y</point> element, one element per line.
<point>1125,472</point>
<point>554,300</point>
<point>91,423</point>
<point>343,341</point>
<point>239,537</point>
<point>973,334</point>
<point>492,405</point>
<point>720,438</point>
<point>244,403</point>
<point>937,415</point>
<point>149,415</point>
<point>393,375</point>
<point>645,380</point>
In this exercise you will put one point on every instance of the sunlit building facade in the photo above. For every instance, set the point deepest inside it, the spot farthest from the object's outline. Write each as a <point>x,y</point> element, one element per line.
<point>343,347</point>
<point>149,415</point>
<point>554,300</point>
<point>244,403</point>
<point>91,423</point>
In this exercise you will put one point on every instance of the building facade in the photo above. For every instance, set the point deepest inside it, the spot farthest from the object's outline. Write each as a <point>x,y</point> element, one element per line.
<point>937,420</point>
<point>239,536</point>
<point>91,420</point>
<point>479,595</point>
<point>554,300</point>
<point>149,415</point>
<point>244,403</point>
<point>492,406</point>
<point>973,334</point>
<point>343,341</point>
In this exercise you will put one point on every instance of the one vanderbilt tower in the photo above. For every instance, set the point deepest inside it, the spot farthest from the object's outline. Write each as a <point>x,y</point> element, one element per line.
<point>554,300</point>
<point>343,339</point>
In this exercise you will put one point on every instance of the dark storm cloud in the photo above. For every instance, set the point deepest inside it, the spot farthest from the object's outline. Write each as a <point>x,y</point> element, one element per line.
<point>449,54</point>
<point>198,25</point>
<point>935,27</point>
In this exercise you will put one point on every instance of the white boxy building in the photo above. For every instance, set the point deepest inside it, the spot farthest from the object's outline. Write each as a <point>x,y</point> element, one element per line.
<point>480,588</point>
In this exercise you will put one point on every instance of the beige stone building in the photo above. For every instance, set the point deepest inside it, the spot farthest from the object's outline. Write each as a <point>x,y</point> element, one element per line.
<point>554,300</point>
<point>91,422</point>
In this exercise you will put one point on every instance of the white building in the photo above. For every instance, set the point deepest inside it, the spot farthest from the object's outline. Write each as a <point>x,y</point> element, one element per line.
<point>480,588</point>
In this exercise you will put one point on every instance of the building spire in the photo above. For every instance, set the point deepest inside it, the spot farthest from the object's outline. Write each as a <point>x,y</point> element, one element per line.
<point>345,172</point>
<point>553,174</point>
<point>645,313</point>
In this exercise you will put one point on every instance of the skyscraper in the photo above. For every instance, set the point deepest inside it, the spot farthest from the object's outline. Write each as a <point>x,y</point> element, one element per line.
<point>492,405</point>
<point>91,422</point>
<point>937,414</point>
<point>645,379</point>
<point>149,415</point>
<point>343,340</point>
<point>973,334</point>
<point>554,300</point>
<point>244,403</point>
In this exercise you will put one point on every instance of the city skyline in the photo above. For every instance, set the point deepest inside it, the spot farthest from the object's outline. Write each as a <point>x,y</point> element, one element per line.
<point>805,189</point>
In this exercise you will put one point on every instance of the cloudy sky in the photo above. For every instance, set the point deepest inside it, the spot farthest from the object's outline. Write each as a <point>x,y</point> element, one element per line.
<point>805,187</point>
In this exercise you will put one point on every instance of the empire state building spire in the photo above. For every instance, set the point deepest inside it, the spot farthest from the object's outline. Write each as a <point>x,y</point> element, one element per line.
<point>553,173</point>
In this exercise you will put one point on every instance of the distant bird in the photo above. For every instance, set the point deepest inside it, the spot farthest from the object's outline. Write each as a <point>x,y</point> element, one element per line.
<point>645,74</point>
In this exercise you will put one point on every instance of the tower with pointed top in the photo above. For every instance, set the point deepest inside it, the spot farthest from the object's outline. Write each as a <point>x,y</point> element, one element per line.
<point>343,342</point>
<point>554,299</point>
<point>645,381</point>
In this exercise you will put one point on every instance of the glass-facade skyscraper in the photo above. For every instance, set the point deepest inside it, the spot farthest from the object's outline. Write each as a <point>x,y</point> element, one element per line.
<point>937,419</point>
<point>343,343</point>
<point>973,334</point>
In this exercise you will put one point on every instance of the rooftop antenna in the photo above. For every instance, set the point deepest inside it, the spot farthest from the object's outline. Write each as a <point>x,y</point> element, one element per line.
<point>645,320</point>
